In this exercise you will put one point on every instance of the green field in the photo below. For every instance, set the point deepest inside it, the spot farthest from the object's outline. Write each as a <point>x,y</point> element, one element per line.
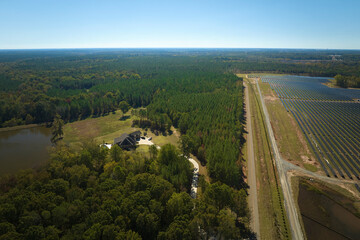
<point>105,129</point>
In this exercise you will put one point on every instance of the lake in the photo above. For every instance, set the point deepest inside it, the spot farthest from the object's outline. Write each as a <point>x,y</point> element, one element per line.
<point>23,148</point>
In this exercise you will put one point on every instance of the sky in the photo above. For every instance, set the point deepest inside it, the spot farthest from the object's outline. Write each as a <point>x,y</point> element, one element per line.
<point>314,24</point>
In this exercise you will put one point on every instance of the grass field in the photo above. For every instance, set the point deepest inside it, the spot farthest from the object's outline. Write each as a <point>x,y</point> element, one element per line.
<point>273,220</point>
<point>106,128</point>
<point>291,141</point>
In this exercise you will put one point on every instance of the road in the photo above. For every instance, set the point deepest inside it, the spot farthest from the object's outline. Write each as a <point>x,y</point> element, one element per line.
<point>194,183</point>
<point>251,176</point>
<point>292,167</point>
<point>290,206</point>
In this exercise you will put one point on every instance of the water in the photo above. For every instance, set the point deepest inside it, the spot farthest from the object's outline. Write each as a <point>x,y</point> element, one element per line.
<point>325,218</point>
<point>23,148</point>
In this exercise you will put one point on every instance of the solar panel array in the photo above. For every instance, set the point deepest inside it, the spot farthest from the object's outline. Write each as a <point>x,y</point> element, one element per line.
<point>328,117</point>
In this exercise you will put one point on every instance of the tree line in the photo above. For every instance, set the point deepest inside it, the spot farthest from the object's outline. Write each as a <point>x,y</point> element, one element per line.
<point>347,81</point>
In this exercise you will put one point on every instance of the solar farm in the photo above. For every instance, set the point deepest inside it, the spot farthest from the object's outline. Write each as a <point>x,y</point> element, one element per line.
<point>328,117</point>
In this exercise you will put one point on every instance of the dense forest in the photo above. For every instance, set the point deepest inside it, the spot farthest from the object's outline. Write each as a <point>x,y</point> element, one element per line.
<point>113,194</point>
<point>35,85</point>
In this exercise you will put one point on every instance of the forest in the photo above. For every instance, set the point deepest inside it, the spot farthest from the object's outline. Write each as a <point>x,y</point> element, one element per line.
<point>98,193</point>
<point>35,85</point>
<point>347,81</point>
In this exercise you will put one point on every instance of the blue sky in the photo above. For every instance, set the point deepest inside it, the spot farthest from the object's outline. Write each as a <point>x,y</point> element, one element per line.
<point>182,23</point>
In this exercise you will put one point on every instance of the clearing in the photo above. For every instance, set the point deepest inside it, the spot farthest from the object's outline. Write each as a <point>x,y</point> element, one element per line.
<point>105,129</point>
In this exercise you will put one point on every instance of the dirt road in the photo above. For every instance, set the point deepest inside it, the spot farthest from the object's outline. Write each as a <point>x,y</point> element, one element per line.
<point>285,185</point>
<point>251,176</point>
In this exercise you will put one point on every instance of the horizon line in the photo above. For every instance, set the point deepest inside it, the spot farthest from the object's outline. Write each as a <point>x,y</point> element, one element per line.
<point>212,48</point>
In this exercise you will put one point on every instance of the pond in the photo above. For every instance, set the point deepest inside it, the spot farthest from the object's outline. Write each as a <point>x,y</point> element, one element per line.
<point>23,148</point>
<point>325,218</point>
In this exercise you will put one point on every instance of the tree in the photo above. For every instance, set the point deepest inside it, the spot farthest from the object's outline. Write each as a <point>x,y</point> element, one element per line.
<point>201,155</point>
<point>29,119</point>
<point>57,129</point>
<point>186,145</point>
<point>227,224</point>
<point>94,232</point>
<point>124,106</point>
<point>179,204</point>
<point>116,153</point>
<point>178,230</point>
<point>341,81</point>
<point>6,227</point>
<point>35,233</point>
<point>153,151</point>
<point>129,235</point>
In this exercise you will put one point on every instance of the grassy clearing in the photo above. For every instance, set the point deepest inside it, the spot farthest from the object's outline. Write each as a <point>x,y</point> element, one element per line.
<point>273,220</point>
<point>291,140</point>
<point>101,129</point>
<point>310,167</point>
<point>105,129</point>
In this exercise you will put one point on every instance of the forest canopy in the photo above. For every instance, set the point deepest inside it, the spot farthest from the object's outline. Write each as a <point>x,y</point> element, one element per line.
<point>35,85</point>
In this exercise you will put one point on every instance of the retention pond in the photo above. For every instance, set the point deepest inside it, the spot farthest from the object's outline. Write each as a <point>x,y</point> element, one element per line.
<point>327,214</point>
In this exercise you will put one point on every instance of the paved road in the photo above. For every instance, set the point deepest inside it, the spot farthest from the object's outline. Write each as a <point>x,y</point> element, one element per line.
<point>251,176</point>
<point>290,206</point>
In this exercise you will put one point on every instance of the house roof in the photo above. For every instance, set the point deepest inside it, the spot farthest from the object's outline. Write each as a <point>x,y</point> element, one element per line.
<point>121,139</point>
<point>135,133</point>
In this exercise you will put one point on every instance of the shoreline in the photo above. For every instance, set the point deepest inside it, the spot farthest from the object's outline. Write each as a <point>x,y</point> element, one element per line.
<point>6,129</point>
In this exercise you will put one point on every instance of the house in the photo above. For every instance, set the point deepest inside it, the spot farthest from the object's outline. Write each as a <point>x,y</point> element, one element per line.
<point>127,141</point>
